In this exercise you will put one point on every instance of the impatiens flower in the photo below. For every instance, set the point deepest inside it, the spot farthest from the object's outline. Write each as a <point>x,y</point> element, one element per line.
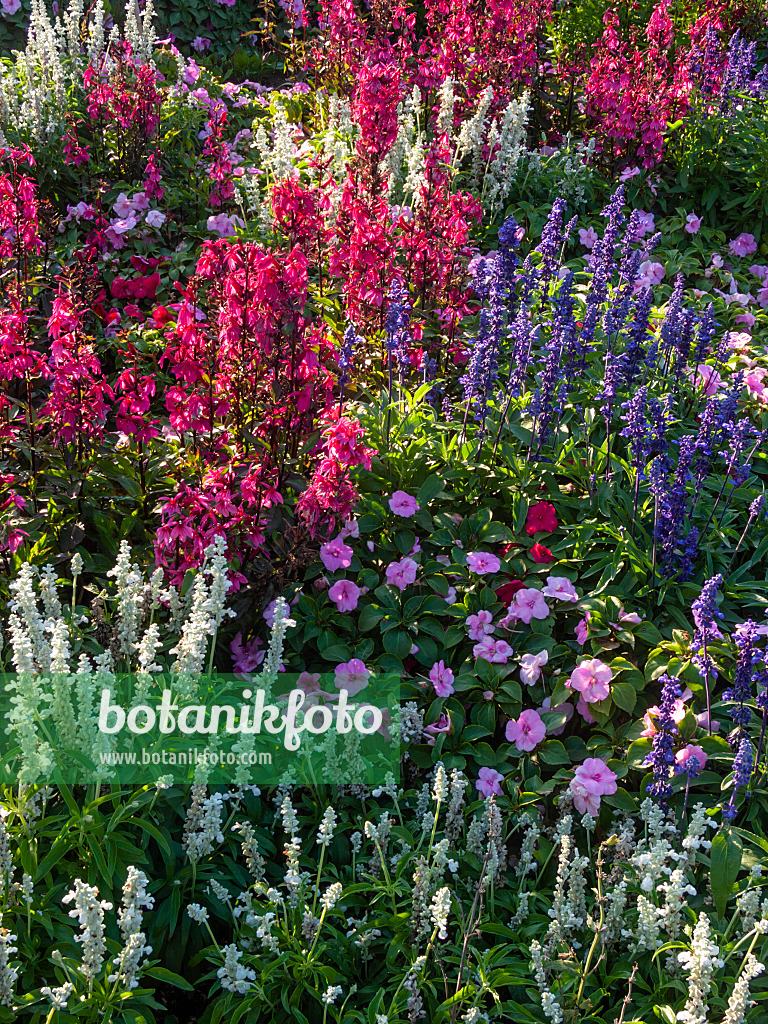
<point>531,665</point>
<point>541,555</point>
<point>10,6</point>
<point>443,724</point>
<point>678,714</point>
<point>527,732</point>
<point>450,597</point>
<point>708,378</point>
<point>351,528</point>
<point>498,652</point>
<point>528,604</point>
<point>309,682</point>
<point>480,625</point>
<point>402,504</point>
<point>583,708</point>
<point>507,591</point>
<point>629,172</point>
<point>584,800</point>
<point>489,782</point>
<point>336,555</point>
<point>560,588</point>
<point>587,237</point>
<point>592,678</point>
<point>351,676</point>
<point>541,518</point>
<point>155,219</point>
<point>582,629</point>
<point>442,679</point>
<point>744,245</point>
<point>223,224</point>
<point>630,617</point>
<point>592,780</point>
<point>565,709</point>
<point>401,574</point>
<point>245,656</point>
<point>691,750</point>
<point>345,594</point>
<point>646,224</point>
<point>651,273</point>
<point>692,224</point>
<point>482,562</point>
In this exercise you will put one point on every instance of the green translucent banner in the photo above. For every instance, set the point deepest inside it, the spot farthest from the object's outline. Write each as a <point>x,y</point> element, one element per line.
<point>99,727</point>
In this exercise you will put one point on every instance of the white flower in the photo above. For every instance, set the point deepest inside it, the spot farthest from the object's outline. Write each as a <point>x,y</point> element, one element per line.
<point>197,913</point>
<point>331,994</point>
<point>233,976</point>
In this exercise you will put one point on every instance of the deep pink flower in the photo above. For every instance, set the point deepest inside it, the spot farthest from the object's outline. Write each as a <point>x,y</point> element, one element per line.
<point>582,629</point>
<point>345,594</point>
<point>401,574</point>
<point>527,732</point>
<point>336,555</point>
<point>541,518</point>
<point>592,678</point>
<point>489,782</point>
<point>597,777</point>
<point>482,562</point>
<point>402,504</point>
<point>541,555</point>
<point>442,679</point>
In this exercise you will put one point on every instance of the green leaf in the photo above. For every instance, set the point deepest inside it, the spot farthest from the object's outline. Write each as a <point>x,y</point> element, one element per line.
<point>624,695</point>
<point>725,862</point>
<point>553,752</point>
<point>430,489</point>
<point>162,974</point>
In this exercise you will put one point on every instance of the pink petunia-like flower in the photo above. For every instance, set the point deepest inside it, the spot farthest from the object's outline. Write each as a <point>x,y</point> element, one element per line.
<point>403,504</point>
<point>336,555</point>
<point>560,588</point>
<point>401,574</point>
<point>489,782</point>
<point>351,676</point>
<point>351,528</point>
<point>692,224</point>
<point>651,273</point>
<point>480,625</point>
<point>224,225</point>
<point>345,594</point>
<point>498,652</point>
<point>744,245</point>
<point>442,679</point>
<point>9,7</point>
<point>531,665</point>
<point>443,724</point>
<point>629,172</point>
<point>678,714</point>
<point>691,750</point>
<point>527,731</point>
<point>482,562</point>
<point>592,678</point>
<point>588,237</point>
<point>592,780</point>
<point>528,604</point>
<point>245,656</point>
<point>582,629</point>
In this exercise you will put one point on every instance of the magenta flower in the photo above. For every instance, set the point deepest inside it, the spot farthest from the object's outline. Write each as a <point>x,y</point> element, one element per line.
<point>336,555</point>
<point>744,245</point>
<point>401,574</point>
<point>402,504</point>
<point>482,562</point>
<point>442,679</point>
<point>528,604</point>
<point>245,656</point>
<point>692,224</point>
<point>345,594</point>
<point>480,625</point>
<point>489,782</point>
<point>560,588</point>
<point>531,665</point>
<point>592,678</point>
<point>351,676</point>
<point>527,732</point>
<point>498,652</point>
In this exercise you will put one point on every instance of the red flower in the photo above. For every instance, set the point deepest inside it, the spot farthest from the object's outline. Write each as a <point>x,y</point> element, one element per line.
<point>507,591</point>
<point>161,316</point>
<point>541,554</point>
<point>541,518</point>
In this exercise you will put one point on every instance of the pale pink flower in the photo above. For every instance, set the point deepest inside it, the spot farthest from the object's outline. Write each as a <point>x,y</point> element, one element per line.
<point>482,562</point>
<point>224,225</point>
<point>351,528</point>
<point>678,714</point>
<point>450,597</point>
<point>746,318</point>
<point>442,679</point>
<point>309,682</point>
<point>498,652</point>
<point>630,617</point>
<point>403,504</point>
<point>527,732</point>
<point>560,588</point>
<point>155,219</point>
<point>651,273</point>
<point>646,224</point>
<point>588,237</point>
<point>123,206</point>
<point>401,574</point>
<point>488,782</point>
<point>629,172</point>
<point>692,224</point>
<point>351,676</point>
<point>345,594</point>
<point>691,750</point>
<point>480,625</point>
<point>528,604</point>
<point>585,801</point>
<point>336,555</point>
<point>531,665</point>
<point>592,678</point>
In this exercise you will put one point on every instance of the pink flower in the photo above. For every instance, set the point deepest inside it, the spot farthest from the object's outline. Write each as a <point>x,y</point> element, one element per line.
<point>629,172</point>
<point>592,679</point>
<point>309,682</point>
<point>450,597</point>
<point>351,528</point>
<point>592,780</point>
<point>527,732</point>
<point>708,378</point>
<point>531,665</point>
<point>351,676</point>
<point>630,617</point>
<point>402,504</point>
<point>746,318</point>
<point>584,801</point>
<point>336,555</point>
<point>345,594</point>
<point>744,245</point>
<point>442,679</point>
<point>541,555</point>
<point>480,625</point>
<point>692,224</point>
<point>566,709</point>
<point>704,721</point>
<point>488,782</point>
<point>223,224</point>
<point>245,656</point>
<point>646,224</point>
<point>401,574</point>
<point>498,652</point>
<point>582,629</point>
<point>678,714</point>
<point>541,518</point>
<point>650,273</point>
<point>691,750</point>
<point>10,6</point>
<point>443,724</point>
<point>528,604</point>
<point>482,562</point>
<point>583,708</point>
<point>560,588</point>
<point>587,237</point>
